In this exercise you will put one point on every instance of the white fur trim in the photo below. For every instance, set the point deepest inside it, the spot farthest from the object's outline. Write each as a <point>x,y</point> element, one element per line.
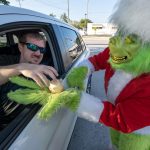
<point>90,107</point>
<point>116,84</point>
<point>133,16</point>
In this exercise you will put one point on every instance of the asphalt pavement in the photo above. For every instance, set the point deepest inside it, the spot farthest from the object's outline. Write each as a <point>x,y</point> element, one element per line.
<point>88,135</point>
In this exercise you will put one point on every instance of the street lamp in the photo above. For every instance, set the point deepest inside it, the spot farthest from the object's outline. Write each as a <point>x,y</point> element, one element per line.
<point>86,14</point>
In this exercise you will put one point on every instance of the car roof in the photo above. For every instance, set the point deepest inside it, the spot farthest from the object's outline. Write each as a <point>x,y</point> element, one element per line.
<point>10,14</point>
<point>4,9</point>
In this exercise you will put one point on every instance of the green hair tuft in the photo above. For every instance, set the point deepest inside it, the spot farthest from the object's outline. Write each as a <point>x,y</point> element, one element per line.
<point>28,96</point>
<point>24,82</point>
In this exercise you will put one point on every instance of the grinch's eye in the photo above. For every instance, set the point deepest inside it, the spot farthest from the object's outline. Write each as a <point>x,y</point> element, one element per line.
<point>132,38</point>
<point>128,40</point>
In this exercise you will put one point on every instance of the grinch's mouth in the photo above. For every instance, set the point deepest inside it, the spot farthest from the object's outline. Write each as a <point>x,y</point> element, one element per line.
<point>117,59</point>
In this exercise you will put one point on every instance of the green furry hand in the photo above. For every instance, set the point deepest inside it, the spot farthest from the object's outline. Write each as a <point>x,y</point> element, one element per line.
<point>70,97</point>
<point>77,77</point>
<point>50,102</point>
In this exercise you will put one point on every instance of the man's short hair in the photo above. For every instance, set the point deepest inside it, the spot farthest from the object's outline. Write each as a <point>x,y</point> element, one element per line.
<point>35,35</point>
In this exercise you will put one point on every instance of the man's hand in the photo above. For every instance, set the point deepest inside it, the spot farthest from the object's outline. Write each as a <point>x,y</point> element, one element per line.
<point>38,73</point>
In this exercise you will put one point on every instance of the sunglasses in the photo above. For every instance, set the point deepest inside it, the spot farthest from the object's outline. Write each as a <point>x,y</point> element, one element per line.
<point>34,47</point>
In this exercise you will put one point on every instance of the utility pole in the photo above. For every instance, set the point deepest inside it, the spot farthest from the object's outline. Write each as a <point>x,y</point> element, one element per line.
<point>85,29</point>
<point>68,9</point>
<point>19,3</point>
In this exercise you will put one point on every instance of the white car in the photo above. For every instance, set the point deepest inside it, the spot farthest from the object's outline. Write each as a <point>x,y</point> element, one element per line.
<point>26,132</point>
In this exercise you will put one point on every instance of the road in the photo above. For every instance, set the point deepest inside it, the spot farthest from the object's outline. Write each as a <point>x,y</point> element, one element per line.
<point>88,135</point>
<point>96,40</point>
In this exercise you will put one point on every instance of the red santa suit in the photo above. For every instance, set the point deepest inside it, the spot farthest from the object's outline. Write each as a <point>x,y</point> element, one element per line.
<point>128,106</point>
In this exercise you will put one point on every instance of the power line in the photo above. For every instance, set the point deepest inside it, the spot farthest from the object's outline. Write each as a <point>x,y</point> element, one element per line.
<point>51,5</point>
<point>92,12</point>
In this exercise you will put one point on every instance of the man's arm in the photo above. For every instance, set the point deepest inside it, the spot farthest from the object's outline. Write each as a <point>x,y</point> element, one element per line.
<point>33,71</point>
<point>7,71</point>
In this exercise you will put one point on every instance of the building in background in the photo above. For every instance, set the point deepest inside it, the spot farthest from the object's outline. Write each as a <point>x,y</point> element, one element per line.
<point>101,29</point>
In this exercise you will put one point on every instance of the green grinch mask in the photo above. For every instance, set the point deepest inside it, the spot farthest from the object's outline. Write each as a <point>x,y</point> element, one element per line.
<point>124,50</point>
<point>129,54</point>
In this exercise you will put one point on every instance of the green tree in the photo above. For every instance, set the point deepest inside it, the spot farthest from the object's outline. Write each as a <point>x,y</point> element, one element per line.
<point>76,24</point>
<point>64,18</point>
<point>83,23</point>
<point>51,14</point>
<point>5,2</point>
<point>94,28</point>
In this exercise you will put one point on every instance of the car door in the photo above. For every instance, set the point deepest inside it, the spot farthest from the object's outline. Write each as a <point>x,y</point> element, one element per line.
<point>54,133</point>
<point>27,131</point>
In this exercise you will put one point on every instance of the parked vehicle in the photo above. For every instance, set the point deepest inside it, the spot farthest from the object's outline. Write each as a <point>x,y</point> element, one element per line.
<point>65,49</point>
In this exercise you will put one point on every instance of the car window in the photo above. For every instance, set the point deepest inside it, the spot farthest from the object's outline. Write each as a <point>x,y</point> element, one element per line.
<point>3,40</point>
<point>72,43</point>
<point>14,124</point>
<point>82,43</point>
<point>9,53</point>
<point>15,39</point>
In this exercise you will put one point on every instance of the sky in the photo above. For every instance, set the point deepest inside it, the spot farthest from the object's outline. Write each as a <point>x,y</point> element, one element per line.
<point>98,11</point>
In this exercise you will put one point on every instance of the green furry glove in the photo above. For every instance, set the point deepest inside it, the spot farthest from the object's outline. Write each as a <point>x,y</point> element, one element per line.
<point>50,102</point>
<point>69,97</point>
<point>76,77</point>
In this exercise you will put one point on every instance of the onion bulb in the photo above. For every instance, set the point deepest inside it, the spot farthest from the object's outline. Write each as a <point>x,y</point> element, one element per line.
<point>56,86</point>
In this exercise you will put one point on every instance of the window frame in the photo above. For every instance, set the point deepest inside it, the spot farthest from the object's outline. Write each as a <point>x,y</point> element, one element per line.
<point>68,67</point>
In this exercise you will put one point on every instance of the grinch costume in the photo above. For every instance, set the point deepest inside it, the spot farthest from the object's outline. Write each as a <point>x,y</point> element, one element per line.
<point>127,79</point>
<point>127,107</point>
